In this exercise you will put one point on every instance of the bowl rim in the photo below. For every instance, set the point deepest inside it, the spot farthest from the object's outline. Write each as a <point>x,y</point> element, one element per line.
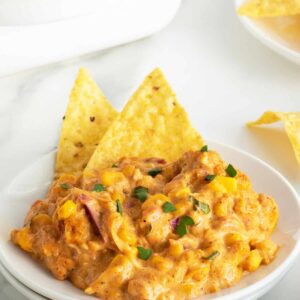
<point>242,293</point>
<point>20,287</point>
<point>266,39</point>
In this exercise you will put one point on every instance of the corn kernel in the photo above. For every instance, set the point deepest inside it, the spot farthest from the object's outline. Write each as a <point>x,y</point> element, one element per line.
<point>184,192</point>
<point>223,184</point>
<point>267,250</point>
<point>89,291</point>
<point>66,210</point>
<point>111,177</point>
<point>24,239</point>
<point>186,289</point>
<point>128,170</point>
<point>175,249</point>
<point>221,208</point>
<point>181,208</point>
<point>117,196</point>
<point>132,255</point>
<point>161,263</point>
<point>232,238</point>
<point>201,272</point>
<point>238,251</point>
<point>41,219</point>
<point>158,199</point>
<point>127,233</point>
<point>244,185</point>
<point>253,261</point>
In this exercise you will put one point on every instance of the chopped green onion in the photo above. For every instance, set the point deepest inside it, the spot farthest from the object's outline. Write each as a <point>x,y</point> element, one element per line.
<point>65,186</point>
<point>98,187</point>
<point>168,207</point>
<point>144,253</point>
<point>140,193</point>
<point>114,166</point>
<point>187,220</point>
<point>204,148</point>
<point>196,203</point>
<point>119,207</point>
<point>231,171</point>
<point>213,255</point>
<point>210,178</point>
<point>181,228</point>
<point>154,172</point>
<point>204,207</point>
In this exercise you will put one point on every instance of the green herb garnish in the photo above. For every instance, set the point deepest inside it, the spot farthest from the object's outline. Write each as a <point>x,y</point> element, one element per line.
<point>204,207</point>
<point>210,178</point>
<point>114,166</point>
<point>168,207</point>
<point>181,228</point>
<point>98,187</point>
<point>154,172</point>
<point>144,253</point>
<point>140,193</point>
<point>65,186</point>
<point>204,148</point>
<point>231,171</point>
<point>119,207</point>
<point>187,220</point>
<point>213,255</point>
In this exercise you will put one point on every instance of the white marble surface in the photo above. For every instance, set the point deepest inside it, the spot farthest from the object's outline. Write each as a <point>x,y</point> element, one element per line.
<point>222,75</point>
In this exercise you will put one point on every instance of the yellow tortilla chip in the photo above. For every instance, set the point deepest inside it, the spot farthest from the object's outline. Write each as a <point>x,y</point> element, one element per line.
<point>88,116</point>
<point>291,123</point>
<point>270,8</point>
<point>152,124</point>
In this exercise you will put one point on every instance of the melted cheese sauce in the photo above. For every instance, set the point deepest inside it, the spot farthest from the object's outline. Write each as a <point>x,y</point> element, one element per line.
<point>91,231</point>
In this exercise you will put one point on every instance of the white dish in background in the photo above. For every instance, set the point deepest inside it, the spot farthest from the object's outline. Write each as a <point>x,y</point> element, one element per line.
<point>113,23</point>
<point>24,290</point>
<point>29,185</point>
<point>269,38</point>
<point>20,12</point>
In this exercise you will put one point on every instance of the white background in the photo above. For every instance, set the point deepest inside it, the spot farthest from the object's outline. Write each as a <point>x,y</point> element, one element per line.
<point>222,76</point>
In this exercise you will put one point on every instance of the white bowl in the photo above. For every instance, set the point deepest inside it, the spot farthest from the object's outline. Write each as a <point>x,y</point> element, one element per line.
<point>32,184</point>
<point>111,23</point>
<point>20,12</point>
<point>24,290</point>
<point>268,38</point>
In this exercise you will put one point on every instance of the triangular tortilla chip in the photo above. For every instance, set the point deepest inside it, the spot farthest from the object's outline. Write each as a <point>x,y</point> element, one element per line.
<point>88,116</point>
<point>152,124</point>
<point>270,8</point>
<point>291,124</point>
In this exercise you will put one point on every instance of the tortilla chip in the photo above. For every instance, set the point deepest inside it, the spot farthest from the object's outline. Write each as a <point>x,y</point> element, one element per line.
<point>88,116</point>
<point>270,8</point>
<point>152,124</point>
<point>291,123</point>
